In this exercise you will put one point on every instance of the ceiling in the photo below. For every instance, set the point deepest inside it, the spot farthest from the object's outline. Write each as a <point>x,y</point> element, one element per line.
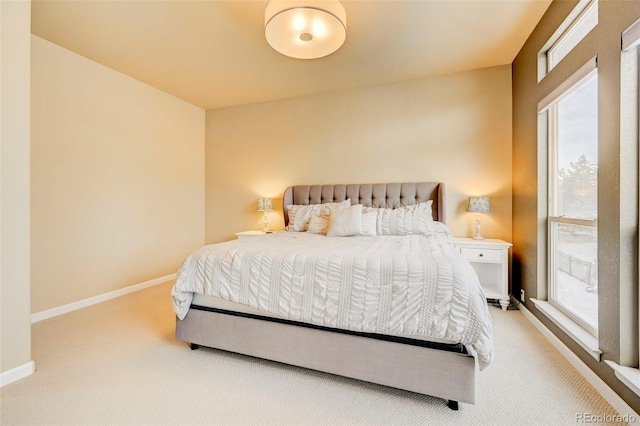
<point>213,54</point>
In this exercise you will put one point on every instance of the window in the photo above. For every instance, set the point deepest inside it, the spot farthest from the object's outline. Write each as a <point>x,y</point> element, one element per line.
<point>572,117</point>
<point>630,96</point>
<point>628,372</point>
<point>578,24</point>
<point>568,116</point>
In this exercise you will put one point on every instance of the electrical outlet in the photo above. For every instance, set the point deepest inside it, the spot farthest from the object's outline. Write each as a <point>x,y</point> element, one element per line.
<point>522,295</point>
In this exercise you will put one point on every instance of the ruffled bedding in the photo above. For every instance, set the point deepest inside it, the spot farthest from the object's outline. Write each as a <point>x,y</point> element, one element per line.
<point>413,285</point>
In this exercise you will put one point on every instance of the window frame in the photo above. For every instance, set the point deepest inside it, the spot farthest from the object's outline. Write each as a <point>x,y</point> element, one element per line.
<point>630,375</point>
<point>630,45</point>
<point>583,76</point>
<point>576,26</point>
<point>579,27</point>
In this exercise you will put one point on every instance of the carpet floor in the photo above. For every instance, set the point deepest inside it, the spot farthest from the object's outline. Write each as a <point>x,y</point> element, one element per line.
<point>118,363</point>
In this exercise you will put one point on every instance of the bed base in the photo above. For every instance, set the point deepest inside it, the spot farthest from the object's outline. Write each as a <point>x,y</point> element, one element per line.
<point>428,371</point>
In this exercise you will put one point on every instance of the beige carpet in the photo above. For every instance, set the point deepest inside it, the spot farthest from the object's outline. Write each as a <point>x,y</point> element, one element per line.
<point>117,363</point>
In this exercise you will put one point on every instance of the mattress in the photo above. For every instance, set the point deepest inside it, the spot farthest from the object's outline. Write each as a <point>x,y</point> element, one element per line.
<point>411,286</point>
<point>218,304</point>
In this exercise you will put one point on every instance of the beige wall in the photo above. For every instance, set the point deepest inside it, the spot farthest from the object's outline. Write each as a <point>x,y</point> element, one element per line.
<point>117,179</point>
<point>453,128</point>
<point>15,321</point>
<point>618,192</point>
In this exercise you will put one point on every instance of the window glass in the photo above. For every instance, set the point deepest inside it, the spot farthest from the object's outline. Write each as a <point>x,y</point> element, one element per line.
<point>576,271</point>
<point>577,123</point>
<point>573,202</point>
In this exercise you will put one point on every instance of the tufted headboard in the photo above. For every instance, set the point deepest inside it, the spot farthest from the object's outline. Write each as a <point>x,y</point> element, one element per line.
<point>387,195</point>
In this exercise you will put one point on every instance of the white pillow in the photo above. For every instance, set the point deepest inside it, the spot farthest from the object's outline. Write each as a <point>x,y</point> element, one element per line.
<point>300,215</point>
<point>369,220</point>
<point>345,222</point>
<point>406,220</point>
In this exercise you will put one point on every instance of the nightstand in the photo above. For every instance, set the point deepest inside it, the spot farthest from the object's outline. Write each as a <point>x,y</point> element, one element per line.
<point>249,234</point>
<point>490,259</point>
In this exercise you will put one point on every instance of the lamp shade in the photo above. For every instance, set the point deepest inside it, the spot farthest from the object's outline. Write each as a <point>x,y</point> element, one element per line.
<point>479,205</point>
<point>265,204</point>
<point>305,29</point>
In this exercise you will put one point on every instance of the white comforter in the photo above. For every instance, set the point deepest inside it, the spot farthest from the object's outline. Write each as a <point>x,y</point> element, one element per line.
<point>399,285</point>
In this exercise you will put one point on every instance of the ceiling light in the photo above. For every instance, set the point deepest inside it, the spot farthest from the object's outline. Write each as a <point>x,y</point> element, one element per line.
<point>305,29</point>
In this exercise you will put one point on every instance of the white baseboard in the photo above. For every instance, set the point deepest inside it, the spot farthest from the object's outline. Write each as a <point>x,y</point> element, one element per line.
<point>54,312</point>
<point>17,373</point>
<point>607,393</point>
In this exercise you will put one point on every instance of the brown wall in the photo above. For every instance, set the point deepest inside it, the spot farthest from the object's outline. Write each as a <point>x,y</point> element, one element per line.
<point>617,254</point>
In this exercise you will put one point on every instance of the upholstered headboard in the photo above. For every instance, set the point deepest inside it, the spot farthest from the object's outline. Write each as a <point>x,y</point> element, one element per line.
<point>387,195</point>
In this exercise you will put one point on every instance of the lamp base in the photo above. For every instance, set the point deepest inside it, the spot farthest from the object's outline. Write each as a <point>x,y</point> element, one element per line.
<point>478,234</point>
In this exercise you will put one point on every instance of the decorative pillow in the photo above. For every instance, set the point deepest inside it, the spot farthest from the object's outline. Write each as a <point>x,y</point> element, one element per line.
<point>369,220</point>
<point>406,220</point>
<point>326,209</point>
<point>345,222</point>
<point>300,215</point>
<point>319,225</point>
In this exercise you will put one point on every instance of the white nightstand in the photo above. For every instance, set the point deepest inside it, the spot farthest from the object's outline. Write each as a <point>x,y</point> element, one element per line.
<point>249,234</point>
<point>490,259</point>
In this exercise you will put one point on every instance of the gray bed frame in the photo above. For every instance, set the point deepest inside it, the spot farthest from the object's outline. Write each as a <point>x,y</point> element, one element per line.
<point>440,373</point>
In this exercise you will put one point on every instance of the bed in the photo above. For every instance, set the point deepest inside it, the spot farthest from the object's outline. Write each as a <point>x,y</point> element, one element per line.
<point>405,310</point>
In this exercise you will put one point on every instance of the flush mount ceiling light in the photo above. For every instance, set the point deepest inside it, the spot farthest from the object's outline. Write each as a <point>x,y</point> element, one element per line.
<point>305,29</point>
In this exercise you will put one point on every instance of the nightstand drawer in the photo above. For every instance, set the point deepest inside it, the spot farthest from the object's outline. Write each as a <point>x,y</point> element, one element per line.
<point>481,255</point>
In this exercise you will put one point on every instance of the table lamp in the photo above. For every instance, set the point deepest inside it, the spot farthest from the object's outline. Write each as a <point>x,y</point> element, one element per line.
<point>478,205</point>
<point>265,205</point>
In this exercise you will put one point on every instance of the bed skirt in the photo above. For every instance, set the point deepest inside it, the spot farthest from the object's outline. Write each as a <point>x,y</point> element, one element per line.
<point>436,372</point>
